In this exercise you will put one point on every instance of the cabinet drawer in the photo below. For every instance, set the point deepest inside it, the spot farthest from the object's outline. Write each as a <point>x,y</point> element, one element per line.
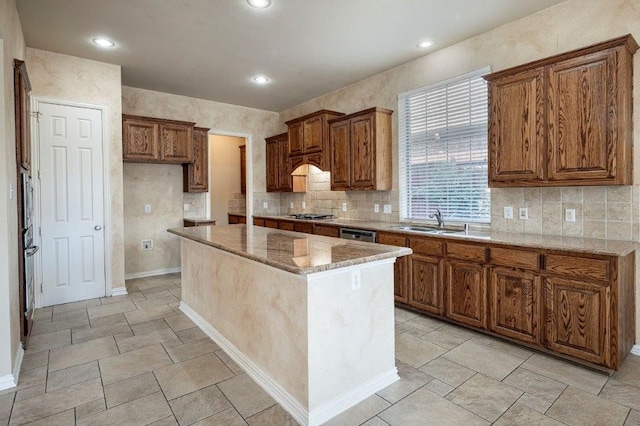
<point>287,226</point>
<point>271,223</point>
<point>514,258</point>
<point>426,246</point>
<point>392,239</point>
<point>466,252</point>
<point>258,222</point>
<point>597,269</point>
<point>303,227</point>
<point>326,230</point>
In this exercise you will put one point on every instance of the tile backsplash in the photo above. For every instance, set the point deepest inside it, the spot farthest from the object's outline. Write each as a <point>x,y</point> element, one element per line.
<point>601,212</point>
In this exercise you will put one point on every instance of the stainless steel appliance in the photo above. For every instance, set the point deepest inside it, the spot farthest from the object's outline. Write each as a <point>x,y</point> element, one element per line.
<point>358,235</point>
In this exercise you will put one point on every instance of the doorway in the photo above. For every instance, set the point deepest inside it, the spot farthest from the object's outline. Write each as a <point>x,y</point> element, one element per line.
<point>227,177</point>
<point>71,202</point>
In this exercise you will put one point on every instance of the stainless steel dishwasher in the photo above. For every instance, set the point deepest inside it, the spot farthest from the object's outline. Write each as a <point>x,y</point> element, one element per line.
<point>358,235</point>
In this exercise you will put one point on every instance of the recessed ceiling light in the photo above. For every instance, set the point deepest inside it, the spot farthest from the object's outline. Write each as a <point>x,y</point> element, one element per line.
<point>260,79</point>
<point>103,42</point>
<point>424,44</point>
<point>259,4</point>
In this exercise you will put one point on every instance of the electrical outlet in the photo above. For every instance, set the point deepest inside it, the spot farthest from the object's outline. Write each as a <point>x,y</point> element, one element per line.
<point>386,208</point>
<point>356,282</point>
<point>147,208</point>
<point>291,205</point>
<point>146,245</point>
<point>304,205</point>
<point>344,207</point>
<point>570,215</point>
<point>508,212</point>
<point>376,208</point>
<point>265,205</point>
<point>186,207</point>
<point>523,213</point>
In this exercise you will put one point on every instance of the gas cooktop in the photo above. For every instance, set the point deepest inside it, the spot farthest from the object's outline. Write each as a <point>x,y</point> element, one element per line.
<point>311,216</point>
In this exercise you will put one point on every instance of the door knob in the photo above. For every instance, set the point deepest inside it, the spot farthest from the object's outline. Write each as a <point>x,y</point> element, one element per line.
<point>97,227</point>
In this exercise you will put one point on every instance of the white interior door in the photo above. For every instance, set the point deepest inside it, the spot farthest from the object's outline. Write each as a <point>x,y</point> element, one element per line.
<point>72,210</point>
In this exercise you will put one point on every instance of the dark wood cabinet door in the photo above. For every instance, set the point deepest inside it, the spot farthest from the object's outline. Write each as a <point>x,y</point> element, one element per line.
<point>272,169</point>
<point>577,315</point>
<point>243,169</point>
<point>583,118</point>
<point>326,230</point>
<point>285,180</point>
<point>296,139</point>
<point>21,88</point>
<point>516,128</point>
<point>176,143</point>
<point>340,155</point>
<point>313,134</point>
<point>465,285</point>
<point>401,267</point>
<point>363,152</point>
<point>196,174</point>
<point>426,287</point>
<point>140,140</point>
<point>515,304</point>
<point>233,219</point>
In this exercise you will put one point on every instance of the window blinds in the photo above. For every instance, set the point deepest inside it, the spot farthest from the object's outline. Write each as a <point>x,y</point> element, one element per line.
<point>443,150</point>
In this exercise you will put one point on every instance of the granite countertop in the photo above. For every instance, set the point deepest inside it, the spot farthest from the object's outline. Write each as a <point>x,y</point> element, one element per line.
<point>290,251</point>
<point>198,219</point>
<point>547,242</point>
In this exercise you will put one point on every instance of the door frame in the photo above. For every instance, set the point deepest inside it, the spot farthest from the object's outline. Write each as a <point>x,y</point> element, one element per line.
<point>106,196</point>
<point>249,171</point>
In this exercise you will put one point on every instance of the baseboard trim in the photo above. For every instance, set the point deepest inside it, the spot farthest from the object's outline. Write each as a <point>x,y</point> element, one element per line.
<point>635,350</point>
<point>317,416</point>
<point>152,273</point>
<point>11,380</point>
<point>119,291</point>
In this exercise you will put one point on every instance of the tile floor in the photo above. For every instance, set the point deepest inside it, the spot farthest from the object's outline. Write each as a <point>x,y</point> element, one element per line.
<point>136,359</point>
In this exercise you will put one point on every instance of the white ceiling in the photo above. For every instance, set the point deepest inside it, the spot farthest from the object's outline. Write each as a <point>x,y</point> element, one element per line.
<point>211,49</point>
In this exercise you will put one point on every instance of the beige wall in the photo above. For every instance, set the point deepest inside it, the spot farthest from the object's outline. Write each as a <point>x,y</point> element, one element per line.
<point>224,175</point>
<point>220,117</point>
<point>69,78</point>
<point>601,211</point>
<point>11,46</point>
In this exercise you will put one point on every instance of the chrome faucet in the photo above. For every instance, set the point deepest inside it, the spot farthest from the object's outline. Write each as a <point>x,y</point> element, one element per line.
<point>438,216</point>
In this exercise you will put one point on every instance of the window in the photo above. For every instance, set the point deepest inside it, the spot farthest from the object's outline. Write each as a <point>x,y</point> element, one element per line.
<point>443,150</point>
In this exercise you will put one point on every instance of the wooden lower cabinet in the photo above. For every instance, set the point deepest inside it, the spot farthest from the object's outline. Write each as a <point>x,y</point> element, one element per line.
<point>326,230</point>
<point>425,288</point>
<point>577,315</point>
<point>465,286</point>
<point>236,218</point>
<point>515,302</point>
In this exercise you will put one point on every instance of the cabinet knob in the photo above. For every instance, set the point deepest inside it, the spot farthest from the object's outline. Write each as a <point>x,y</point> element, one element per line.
<point>97,227</point>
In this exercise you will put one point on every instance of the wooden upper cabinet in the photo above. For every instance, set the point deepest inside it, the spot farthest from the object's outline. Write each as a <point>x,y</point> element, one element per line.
<point>22,87</point>
<point>140,139</point>
<point>243,169</point>
<point>516,129</point>
<point>176,142</point>
<point>564,120</point>
<point>360,146</point>
<point>340,143</point>
<point>195,176</point>
<point>155,140</point>
<point>309,138</point>
<point>278,168</point>
<point>583,113</point>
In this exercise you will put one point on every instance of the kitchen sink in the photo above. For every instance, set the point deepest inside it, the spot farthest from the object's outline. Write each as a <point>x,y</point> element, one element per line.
<point>428,229</point>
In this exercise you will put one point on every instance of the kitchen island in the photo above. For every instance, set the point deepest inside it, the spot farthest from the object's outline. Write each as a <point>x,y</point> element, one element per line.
<point>309,318</point>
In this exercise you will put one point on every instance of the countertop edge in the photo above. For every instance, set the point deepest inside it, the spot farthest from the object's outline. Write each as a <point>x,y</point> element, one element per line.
<point>483,237</point>
<point>393,253</point>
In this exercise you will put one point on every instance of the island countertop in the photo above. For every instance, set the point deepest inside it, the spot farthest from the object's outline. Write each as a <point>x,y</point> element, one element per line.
<point>294,252</point>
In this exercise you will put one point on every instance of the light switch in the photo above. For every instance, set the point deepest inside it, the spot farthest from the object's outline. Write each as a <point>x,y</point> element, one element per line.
<point>386,208</point>
<point>304,205</point>
<point>570,215</point>
<point>265,205</point>
<point>344,207</point>
<point>508,212</point>
<point>291,205</point>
